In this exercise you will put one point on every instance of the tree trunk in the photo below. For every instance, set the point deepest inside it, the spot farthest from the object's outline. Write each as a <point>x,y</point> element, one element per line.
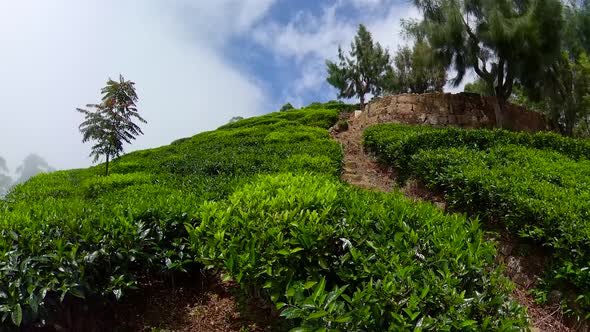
<point>362,102</point>
<point>107,168</point>
<point>499,111</point>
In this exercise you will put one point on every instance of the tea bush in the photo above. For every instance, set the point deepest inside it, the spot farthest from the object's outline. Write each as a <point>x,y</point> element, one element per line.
<point>538,185</point>
<point>342,259</point>
<point>261,200</point>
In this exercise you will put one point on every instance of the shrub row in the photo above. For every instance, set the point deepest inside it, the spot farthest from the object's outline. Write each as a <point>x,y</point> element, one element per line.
<point>76,234</point>
<point>339,259</point>
<point>329,256</point>
<point>538,185</point>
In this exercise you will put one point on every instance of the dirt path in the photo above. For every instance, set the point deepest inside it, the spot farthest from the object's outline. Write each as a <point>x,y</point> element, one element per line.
<point>361,170</point>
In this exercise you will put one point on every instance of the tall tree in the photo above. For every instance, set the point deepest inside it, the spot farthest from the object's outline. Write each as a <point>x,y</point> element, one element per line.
<point>417,70</point>
<point>364,71</point>
<point>503,41</point>
<point>567,91</point>
<point>32,165</point>
<point>563,89</point>
<point>110,123</point>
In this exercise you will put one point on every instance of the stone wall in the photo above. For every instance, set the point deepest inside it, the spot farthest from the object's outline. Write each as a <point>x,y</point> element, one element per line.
<point>463,110</point>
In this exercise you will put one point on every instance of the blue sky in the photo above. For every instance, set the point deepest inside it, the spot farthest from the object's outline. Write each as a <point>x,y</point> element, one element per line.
<point>196,63</point>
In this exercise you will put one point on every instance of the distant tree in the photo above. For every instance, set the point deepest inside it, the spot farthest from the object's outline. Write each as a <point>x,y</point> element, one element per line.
<point>286,107</point>
<point>236,118</point>
<point>3,167</point>
<point>566,92</point>
<point>563,90</point>
<point>365,70</point>
<point>576,30</point>
<point>110,123</point>
<point>503,41</point>
<point>417,70</point>
<point>5,180</point>
<point>32,165</point>
<point>480,87</point>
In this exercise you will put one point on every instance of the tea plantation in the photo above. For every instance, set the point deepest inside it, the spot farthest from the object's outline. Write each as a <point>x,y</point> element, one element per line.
<point>261,200</point>
<point>537,185</point>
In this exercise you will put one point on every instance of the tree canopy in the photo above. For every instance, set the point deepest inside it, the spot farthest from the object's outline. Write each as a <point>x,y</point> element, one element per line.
<point>110,123</point>
<point>286,107</point>
<point>365,70</point>
<point>503,41</point>
<point>416,70</point>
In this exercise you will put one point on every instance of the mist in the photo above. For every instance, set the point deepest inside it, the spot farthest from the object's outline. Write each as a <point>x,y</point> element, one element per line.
<point>58,54</point>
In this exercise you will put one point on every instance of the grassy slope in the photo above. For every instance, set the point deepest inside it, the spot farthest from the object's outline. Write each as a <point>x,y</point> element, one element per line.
<point>261,200</point>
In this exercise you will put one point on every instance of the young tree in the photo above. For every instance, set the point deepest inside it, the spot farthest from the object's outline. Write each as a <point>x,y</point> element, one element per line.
<point>110,123</point>
<point>365,70</point>
<point>503,41</point>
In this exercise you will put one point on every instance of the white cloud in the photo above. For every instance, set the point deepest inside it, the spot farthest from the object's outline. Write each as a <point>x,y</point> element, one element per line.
<point>56,55</point>
<point>366,3</point>
<point>306,35</point>
<point>310,39</point>
<point>216,20</point>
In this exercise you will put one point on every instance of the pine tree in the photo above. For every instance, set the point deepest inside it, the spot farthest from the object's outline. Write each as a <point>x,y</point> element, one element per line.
<point>365,70</point>
<point>503,41</point>
<point>110,123</point>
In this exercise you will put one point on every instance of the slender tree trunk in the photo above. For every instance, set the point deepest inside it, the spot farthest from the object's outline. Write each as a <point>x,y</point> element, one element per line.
<point>107,168</point>
<point>499,111</point>
<point>362,102</point>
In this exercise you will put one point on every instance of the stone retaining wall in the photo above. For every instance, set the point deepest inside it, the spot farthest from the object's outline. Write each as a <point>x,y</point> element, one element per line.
<point>463,110</point>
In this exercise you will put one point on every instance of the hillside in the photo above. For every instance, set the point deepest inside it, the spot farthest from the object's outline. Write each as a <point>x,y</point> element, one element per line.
<point>260,204</point>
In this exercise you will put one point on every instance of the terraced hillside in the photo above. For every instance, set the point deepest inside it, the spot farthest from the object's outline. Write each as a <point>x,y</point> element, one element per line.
<point>261,202</point>
<point>534,186</point>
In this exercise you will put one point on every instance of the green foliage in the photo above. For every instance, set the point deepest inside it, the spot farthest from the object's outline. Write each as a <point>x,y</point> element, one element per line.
<point>339,259</point>
<point>74,234</point>
<point>480,87</point>
<point>537,185</point>
<point>566,91</point>
<point>366,70</point>
<point>260,200</point>
<point>487,36</point>
<point>111,123</point>
<point>417,70</point>
<point>286,107</point>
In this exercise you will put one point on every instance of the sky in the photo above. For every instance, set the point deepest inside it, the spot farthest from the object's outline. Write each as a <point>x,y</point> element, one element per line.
<point>196,63</point>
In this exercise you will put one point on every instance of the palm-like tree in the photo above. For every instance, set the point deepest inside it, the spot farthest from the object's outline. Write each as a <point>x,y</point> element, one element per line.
<point>110,123</point>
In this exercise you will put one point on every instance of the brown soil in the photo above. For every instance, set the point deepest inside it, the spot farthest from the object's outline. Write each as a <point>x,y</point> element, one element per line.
<point>198,303</point>
<point>205,305</point>
<point>362,170</point>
